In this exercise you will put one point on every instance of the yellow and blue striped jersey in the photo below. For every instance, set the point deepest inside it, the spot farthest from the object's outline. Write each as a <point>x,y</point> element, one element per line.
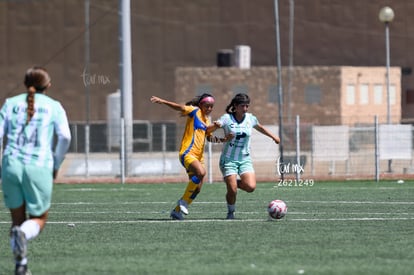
<point>194,136</point>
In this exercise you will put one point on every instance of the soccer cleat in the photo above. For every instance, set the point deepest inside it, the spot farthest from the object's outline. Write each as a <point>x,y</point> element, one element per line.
<point>183,206</point>
<point>19,243</point>
<point>230,216</point>
<point>176,215</point>
<point>22,270</point>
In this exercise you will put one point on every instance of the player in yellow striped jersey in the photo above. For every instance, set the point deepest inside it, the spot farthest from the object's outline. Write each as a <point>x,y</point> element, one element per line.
<point>191,152</point>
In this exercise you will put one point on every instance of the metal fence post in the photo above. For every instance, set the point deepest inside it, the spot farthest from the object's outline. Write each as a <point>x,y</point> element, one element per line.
<point>164,146</point>
<point>298,147</point>
<point>376,150</point>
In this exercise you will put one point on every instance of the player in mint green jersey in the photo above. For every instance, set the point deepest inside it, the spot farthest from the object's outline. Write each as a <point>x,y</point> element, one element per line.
<point>31,159</point>
<point>235,159</point>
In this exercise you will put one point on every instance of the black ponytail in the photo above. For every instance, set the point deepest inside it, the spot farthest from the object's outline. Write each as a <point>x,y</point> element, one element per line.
<point>196,101</point>
<point>237,100</point>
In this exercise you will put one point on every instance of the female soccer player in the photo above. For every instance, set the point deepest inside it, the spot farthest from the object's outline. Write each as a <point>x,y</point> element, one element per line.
<point>235,156</point>
<point>29,164</point>
<point>191,153</point>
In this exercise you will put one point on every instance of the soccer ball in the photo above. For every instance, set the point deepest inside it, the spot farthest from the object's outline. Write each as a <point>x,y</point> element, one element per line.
<point>277,209</point>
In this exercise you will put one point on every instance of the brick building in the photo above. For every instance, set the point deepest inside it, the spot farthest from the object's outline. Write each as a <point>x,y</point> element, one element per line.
<point>181,33</point>
<point>320,95</point>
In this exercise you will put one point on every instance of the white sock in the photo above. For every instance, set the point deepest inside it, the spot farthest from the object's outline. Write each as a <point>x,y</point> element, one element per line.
<point>31,229</point>
<point>231,207</point>
<point>23,261</point>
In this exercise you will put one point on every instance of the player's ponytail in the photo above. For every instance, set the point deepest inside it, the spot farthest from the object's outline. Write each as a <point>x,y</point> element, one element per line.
<point>30,103</point>
<point>36,80</point>
<point>198,99</point>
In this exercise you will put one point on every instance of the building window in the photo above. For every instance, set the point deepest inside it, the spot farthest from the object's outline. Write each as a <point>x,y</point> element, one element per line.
<point>378,94</point>
<point>409,96</point>
<point>350,94</point>
<point>393,95</point>
<point>363,94</point>
<point>312,94</point>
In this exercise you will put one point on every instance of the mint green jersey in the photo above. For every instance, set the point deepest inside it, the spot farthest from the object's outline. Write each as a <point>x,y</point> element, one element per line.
<point>34,143</point>
<point>239,147</point>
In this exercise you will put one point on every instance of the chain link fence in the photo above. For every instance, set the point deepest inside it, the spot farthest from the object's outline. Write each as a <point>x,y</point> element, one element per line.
<point>310,152</point>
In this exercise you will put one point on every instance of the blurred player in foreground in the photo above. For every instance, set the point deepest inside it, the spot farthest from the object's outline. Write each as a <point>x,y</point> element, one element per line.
<point>191,152</point>
<point>29,122</point>
<point>235,159</point>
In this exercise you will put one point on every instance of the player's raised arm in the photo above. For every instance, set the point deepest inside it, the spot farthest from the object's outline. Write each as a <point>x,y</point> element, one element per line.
<point>259,127</point>
<point>172,105</point>
<point>213,127</point>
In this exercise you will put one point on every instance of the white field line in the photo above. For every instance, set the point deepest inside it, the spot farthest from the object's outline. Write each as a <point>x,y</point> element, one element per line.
<point>74,223</point>
<point>166,212</point>
<point>126,189</point>
<point>238,212</point>
<point>357,202</point>
<point>356,219</point>
<point>367,216</point>
<point>223,202</point>
<point>236,220</point>
<point>141,189</point>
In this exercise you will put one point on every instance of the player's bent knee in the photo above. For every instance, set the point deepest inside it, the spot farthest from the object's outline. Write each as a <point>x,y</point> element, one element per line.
<point>250,190</point>
<point>201,174</point>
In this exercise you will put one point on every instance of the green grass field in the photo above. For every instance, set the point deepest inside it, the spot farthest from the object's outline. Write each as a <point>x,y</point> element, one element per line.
<point>330,228</point>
